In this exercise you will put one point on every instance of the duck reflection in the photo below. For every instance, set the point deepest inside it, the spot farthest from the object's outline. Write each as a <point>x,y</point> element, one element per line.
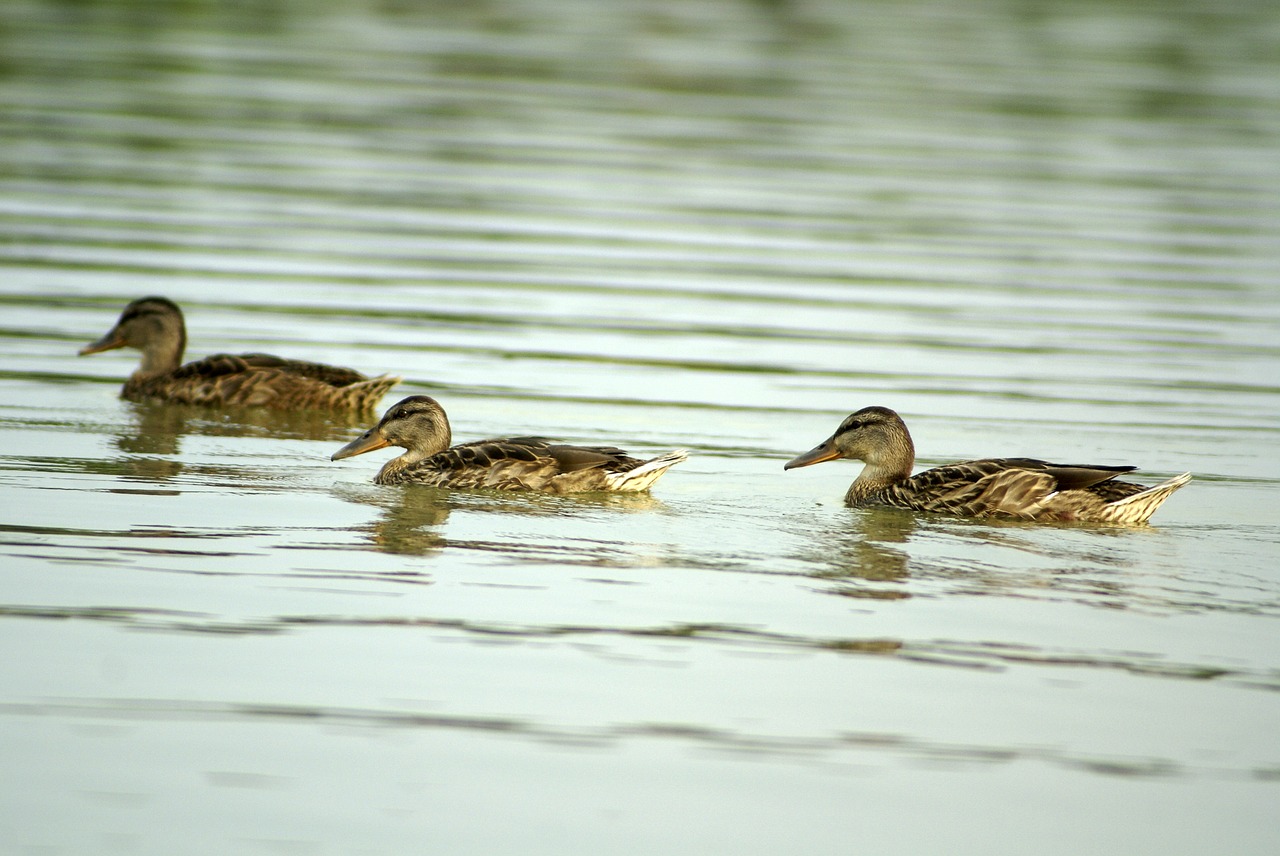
<point>159,426</point>
<point>413,516</point>
<point>151,440</point>
<point>868,553</point>
<point>864,547</point>
<point>411,520</point>
<point>149,444</point>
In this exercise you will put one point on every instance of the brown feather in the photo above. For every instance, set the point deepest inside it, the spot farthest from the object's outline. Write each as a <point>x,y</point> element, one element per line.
<point>1025,488</point>
<point>154,325</point>
<point>419,425</point>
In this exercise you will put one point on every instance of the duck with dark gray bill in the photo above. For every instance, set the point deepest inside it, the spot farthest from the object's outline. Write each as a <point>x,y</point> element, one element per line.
<point>154,325</point>
<point>1023,488</point>
<point>419,426</point>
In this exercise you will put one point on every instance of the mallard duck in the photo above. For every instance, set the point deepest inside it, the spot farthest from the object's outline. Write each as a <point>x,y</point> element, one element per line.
<point>996,487</point>
<point>419,425</point>
<point>154,326</point>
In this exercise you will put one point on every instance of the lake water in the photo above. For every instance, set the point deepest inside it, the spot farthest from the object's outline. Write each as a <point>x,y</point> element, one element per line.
<point>1045,229</point>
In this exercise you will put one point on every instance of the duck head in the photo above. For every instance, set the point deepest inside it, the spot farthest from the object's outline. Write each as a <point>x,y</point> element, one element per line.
<point>875,435</point>
<point>154,326</point>
<point>417,424</point>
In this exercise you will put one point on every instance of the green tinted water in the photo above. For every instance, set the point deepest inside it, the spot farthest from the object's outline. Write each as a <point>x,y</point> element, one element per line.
<point>1042,229</point>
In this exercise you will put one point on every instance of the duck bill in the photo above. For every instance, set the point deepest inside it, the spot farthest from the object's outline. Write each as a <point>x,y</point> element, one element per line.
<point>824,451</point>
<point>366,442</point>
<point>109,342</point>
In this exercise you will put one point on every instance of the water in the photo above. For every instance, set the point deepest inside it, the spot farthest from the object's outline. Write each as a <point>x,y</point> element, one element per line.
<point>1043,229</point>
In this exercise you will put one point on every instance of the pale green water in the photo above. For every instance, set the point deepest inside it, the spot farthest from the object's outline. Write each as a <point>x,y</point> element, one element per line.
<point>1045,229</point>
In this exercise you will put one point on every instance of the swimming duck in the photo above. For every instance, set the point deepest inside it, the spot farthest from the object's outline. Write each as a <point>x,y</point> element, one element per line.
<point>154,326</point>
<point>419,425</point>
<point>995,487</point>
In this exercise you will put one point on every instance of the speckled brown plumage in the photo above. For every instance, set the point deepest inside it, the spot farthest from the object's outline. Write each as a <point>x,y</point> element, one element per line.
<point>154,325</point>
<point>1024,488</point>
<point>419,425</point>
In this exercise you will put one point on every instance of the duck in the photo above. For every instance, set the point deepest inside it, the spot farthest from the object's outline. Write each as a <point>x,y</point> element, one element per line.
<point>419,425</point>
<point>155,326</point>
<point>1020,488</point>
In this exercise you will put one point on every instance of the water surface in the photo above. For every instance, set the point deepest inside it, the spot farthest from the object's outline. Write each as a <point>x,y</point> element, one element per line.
<point>1042,229</point>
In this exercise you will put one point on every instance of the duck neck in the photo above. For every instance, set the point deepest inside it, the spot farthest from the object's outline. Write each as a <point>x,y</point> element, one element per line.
<point>387,475</point>
<point>437,442</point>
<point>887,463</point>
<point>162,356</point>
<point>874,479</point>
<point>395,465</point>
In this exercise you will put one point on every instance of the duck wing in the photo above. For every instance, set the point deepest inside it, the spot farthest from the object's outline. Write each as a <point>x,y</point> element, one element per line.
<point>1067,476</point>
<point>262,380</point>
<point>568,459</point>
<point>220,365</point>
<point>571,459</point>
<point>1114,491</point>
<point>518,463</point>
<point>1013,487</point>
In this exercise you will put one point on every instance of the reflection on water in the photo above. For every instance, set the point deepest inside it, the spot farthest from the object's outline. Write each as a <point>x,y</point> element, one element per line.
<point>736,741</point>
<point>159,426</point>
<point>965,656</point>
<point>411,524</point>
<point>410,520</point>
<point>877,553</point>
<point>151,442</point>
<point>866,546</point>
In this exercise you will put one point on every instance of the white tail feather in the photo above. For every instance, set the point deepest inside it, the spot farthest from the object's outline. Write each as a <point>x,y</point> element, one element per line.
<point>1139,507</point>
<point>367,393</point>
<point>647,473</point>
<point>1163,489</point>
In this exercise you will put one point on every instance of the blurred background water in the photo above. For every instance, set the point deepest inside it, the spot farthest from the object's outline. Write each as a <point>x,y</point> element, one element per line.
<point>1033,228</point>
